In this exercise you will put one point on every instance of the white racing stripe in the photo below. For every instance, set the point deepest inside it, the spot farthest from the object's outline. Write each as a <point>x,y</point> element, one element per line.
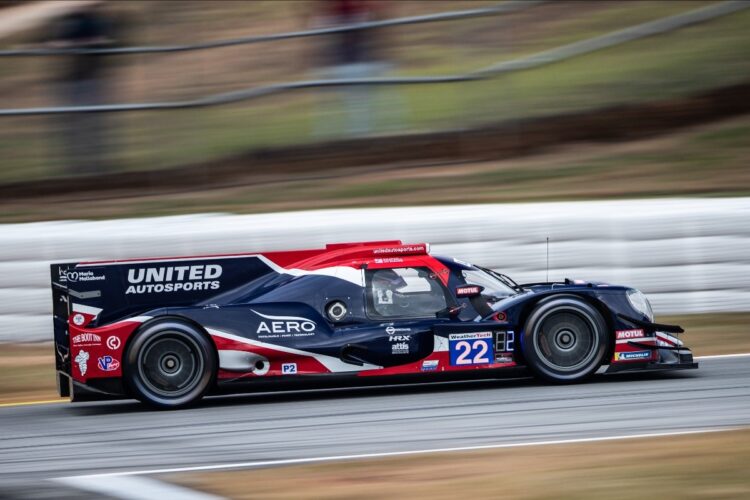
<point>333,364</point>
<point>133,488</point>
<point>350,274</point>
<point>719,356</point>
<point>334,458</point>
<point>94,311</point>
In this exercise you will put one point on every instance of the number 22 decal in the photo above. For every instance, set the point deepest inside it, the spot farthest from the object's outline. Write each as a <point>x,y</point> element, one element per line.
<point>479,348</point>
<point>467,349</point>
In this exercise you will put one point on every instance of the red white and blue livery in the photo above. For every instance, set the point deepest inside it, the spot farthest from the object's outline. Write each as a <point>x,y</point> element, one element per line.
<point>168,331</point>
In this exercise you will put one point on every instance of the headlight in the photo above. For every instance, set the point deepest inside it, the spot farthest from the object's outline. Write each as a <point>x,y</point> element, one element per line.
<point>641,304</point>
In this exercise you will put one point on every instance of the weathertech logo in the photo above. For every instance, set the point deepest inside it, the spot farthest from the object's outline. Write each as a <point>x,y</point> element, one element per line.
<point>174,279</point>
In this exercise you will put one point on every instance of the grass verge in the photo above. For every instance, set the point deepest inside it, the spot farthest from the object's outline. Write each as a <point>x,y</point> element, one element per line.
<point>27,371</point>
<point>706,160</point>
<point>711,465</point>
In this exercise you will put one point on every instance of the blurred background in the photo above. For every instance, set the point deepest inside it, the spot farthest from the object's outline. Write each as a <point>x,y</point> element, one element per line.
<point>693,72</point>
<point>618,129</point>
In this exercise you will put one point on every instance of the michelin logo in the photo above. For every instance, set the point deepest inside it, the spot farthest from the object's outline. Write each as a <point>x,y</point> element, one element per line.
<point>625,356</point>
<point>174,279</point>
<point>82,361</point>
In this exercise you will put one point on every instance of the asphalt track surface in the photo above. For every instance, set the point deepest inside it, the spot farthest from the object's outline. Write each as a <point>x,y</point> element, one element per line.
<point>55,440</point>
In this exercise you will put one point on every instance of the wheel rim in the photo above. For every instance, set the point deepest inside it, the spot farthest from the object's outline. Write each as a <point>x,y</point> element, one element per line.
<point>170,365</point>
<point>566,341</point>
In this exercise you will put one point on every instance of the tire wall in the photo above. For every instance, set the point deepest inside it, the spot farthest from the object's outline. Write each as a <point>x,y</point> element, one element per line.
<point>687,255</point>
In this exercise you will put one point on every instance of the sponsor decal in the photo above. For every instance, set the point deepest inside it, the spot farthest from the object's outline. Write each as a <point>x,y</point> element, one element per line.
<point>625,356</point>
<point>78,319</point>
<point>284,326</point>
<point>108,364</point>
<point>390,330</point>
<point>504,357</point>
<point>384,296</point>
<point>629,334</point>
<point>113,342</point>
<point>470,336</point>
<point>174,279</point>
<point>430,365</point>
<point>87,339</point>
<point>389,260</point>
<point>82,360</point>
<point>76,276</point>
<point>289,368</point>
<point>399,338</point>
<point>468,349</point>
<point>401,249</point>
<point>468,291</point>
<point>400,348</point>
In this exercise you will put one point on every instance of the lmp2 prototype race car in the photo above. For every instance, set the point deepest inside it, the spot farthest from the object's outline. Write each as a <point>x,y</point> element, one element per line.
<point>168,331</point>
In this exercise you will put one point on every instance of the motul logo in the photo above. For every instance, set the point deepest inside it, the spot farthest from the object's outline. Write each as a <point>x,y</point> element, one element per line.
<point>467,291</point>
<point>174,273</point>
<point>629,334</point>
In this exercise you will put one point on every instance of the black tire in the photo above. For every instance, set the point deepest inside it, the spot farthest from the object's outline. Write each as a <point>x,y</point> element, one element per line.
<point>565,340</point>
<point>170,364</point>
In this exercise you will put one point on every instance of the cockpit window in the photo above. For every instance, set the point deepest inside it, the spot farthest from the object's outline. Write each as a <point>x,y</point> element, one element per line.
<point>494,289</point>
<point>404,292</point>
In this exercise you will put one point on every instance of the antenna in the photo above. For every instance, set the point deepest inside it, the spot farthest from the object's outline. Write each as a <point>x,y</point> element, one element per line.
<point>547,259</point>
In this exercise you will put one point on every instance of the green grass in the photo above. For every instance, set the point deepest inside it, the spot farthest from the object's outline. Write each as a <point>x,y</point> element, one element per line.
<point>709,160</point>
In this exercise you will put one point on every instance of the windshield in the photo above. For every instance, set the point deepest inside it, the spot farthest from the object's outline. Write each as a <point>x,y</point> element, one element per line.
<point>494,289</point>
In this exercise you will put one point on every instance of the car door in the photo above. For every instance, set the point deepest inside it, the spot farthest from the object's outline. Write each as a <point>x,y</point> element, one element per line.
<point>402,306</point>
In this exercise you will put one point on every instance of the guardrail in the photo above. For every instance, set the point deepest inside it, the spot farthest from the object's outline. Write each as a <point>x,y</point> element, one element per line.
<point>503,8</point>
<point>551,56</point>
<point>687,255</point>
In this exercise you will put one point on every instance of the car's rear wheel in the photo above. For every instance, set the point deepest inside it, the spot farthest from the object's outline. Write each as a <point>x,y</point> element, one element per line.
<point>170,364</point>
<point>565,340</point>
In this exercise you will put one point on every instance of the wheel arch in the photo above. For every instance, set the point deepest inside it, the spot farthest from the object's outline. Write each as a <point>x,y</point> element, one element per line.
<point>163,319</point>
<point>597,304</point>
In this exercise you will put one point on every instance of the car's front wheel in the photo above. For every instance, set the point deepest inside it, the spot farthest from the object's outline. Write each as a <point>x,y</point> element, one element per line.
<point>170,364</point>
<point>565,339</point>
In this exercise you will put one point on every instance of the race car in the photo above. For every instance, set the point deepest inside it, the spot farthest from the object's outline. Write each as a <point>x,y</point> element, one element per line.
<point>171,330</point>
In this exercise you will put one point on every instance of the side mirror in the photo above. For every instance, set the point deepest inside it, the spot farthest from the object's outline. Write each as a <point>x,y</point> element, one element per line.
<point>469,290</point>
